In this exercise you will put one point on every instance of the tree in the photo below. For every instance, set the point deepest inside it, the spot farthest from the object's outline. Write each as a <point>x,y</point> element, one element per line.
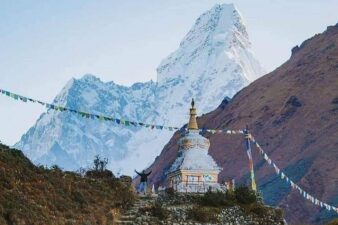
<point>100,164</point>
<point>100,169</point>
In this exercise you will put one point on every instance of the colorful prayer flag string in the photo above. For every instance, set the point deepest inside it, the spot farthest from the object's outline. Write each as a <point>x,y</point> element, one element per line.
<point>121,121</point>
<point>118,121</point>
<point>283,176</point>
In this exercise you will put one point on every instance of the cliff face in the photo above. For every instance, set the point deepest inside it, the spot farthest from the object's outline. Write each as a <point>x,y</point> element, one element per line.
<point>293,114</point>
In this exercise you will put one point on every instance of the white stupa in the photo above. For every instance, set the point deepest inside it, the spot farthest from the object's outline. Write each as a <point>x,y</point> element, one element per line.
<point>194,170</point>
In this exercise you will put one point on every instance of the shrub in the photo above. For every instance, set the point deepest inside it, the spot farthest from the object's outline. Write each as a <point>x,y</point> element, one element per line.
<point>218,198</point>
<point>204,214</point>
<point>258,209</point>
<point>100,164</point>
<point>158,211</point>
<point>100,174</point>
<point>99,170</point>
<point>244,195</point>
<point>126,179</point>
<point>213,199</point>
<point>56,168</point>
<point>170,191</point>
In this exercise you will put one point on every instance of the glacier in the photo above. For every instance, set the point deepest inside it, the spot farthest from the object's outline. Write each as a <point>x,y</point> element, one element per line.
<point>213,61</point>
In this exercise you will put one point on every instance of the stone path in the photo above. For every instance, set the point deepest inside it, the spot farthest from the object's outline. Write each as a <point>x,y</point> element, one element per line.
<point>131,215</point>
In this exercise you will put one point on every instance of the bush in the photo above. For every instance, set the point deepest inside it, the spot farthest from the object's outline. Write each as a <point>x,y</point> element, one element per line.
<point>204,214</point>
<point>100,174</point>
<point>258,209</point>
<point>99,170</point>
<point>158,211</point>
<point>126,179</point>
<point>245,196</point>
<point>170,191</point>
<point>56,169</point>
<point>213,199</point>
<point>218,198</point>
<point>100,164</point>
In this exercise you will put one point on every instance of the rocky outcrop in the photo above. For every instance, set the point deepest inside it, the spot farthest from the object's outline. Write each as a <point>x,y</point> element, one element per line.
<point>178,210</point>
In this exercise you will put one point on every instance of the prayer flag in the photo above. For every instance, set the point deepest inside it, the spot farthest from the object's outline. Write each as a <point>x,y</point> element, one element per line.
<point>266,156</point>
<point>282,175</point>
<point>269,161</point>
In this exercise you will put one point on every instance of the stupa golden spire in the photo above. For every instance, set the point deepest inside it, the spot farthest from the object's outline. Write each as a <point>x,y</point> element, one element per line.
<point>192,121</point>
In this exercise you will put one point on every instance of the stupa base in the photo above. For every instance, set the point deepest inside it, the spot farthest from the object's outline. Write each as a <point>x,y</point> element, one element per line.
<point>197,187</point>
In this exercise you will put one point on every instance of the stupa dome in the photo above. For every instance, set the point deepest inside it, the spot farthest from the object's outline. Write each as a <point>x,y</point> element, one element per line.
<point>193,140</point>
<point>194,169</point>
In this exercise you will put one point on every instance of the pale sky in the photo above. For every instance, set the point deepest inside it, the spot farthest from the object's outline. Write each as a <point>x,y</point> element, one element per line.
<point>44,43</point>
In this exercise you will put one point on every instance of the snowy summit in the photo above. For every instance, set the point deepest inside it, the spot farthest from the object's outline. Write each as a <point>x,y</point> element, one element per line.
<point>213,61</point>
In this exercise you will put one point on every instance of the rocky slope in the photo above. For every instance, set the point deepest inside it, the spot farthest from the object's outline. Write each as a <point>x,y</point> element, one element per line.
<point>214,60</point>
<point>293,114</point>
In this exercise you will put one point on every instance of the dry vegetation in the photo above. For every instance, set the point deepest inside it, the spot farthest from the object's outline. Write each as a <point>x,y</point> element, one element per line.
<point>36,195</point>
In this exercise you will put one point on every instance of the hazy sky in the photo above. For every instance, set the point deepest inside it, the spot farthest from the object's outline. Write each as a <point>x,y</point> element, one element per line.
<point>45,43</point>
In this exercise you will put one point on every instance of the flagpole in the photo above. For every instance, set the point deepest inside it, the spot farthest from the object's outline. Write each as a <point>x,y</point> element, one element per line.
<point>249,153</point>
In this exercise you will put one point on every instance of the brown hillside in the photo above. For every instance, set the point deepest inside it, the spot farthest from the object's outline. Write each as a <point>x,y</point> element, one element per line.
<point>293,114</point>
<point>40,196</point>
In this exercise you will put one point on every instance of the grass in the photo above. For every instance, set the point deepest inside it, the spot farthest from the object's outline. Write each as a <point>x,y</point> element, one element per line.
<point>36,195</point>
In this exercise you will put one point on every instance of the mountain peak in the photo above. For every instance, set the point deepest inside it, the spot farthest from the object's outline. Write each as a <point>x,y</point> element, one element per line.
<point>89,77</point>
<point>222,18</point>
<point>218,35</point>
<point>212,62</point>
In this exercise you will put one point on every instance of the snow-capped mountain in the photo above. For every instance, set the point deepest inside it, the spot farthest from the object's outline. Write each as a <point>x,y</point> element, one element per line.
<point>213,61</point>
